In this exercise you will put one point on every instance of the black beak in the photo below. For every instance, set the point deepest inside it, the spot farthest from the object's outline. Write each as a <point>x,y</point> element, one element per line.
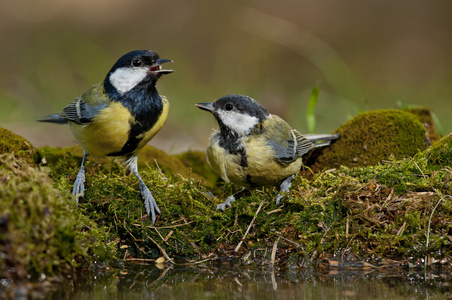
<point>208,106</point>
<point>157,67</point>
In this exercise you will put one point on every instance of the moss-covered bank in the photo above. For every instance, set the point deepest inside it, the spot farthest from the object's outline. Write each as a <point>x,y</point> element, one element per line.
<point>373,213</point>
<point>42,233</point>
<point>372,137</point>
<point>394,212</point>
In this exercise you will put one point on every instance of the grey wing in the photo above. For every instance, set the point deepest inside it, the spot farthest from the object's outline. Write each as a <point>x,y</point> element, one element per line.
<point>294,146</point>
<point>284,154</point>
<point>80,112</point>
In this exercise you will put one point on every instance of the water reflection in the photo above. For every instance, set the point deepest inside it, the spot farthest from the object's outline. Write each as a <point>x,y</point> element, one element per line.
<point>228,281</point>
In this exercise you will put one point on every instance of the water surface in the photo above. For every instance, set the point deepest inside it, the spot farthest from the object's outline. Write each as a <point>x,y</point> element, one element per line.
<point>228,281</point>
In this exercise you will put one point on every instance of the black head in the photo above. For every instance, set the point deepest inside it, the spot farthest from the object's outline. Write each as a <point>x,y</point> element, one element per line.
<point>237,113</point>
<point>134,68</point>
<point>241,104</point>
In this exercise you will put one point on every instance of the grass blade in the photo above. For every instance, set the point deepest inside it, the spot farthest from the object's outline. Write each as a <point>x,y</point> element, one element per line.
<point>310,111</point>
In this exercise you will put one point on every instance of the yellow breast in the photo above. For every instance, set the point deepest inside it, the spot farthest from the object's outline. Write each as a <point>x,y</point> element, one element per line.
<point>109,130</point>
<point>107,133</point>
<point>262,168</point>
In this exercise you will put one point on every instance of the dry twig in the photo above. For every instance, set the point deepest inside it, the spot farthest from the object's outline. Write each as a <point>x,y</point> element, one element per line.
<point>249,227</point>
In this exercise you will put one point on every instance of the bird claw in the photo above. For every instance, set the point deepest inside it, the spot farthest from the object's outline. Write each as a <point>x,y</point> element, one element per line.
<point>284,188</point>
<point>79,185</point>
<point>149,202</point>
<point>226,203</point>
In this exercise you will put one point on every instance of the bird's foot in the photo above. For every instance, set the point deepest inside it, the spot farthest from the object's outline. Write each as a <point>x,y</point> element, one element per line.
<point>149,203</point>
<point>284,188</point>
<point>278,198</point>
<point>226,203</point>
<point>79,185</point>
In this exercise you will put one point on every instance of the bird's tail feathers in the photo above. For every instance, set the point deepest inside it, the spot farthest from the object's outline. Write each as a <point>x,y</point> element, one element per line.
<point>53,118</point>
<point>322,140</point>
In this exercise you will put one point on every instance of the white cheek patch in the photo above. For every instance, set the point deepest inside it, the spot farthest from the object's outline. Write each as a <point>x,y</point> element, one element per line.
<point>125,79</point>
<point>242,124</point>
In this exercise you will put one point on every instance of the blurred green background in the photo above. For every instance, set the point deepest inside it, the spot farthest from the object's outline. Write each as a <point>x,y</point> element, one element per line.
<point>362,55</point>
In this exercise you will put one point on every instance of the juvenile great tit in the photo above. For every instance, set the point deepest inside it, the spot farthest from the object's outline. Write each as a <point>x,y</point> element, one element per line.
<point>119,116</point>
<point>254,148</point>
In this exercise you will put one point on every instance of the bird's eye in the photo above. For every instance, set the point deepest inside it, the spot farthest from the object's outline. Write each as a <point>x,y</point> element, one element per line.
<point>137,62</point>
<point>229,106</point>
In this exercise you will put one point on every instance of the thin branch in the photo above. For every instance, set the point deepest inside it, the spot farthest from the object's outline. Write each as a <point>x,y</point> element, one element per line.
<point>249,227</point>
<point>161,249</point>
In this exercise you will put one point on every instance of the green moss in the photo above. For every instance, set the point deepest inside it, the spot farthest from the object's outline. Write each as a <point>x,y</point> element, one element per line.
<point>373,137</point>
<point>371,212</point>
<point>440,153</point>
<point>169,164</point>
<point>383,211</point>
<point>399,210</point>
<point>187,165</point>
<point>13,143</point>
<point>197,161</point>
<point>424,115</point>
<point>41,231</point>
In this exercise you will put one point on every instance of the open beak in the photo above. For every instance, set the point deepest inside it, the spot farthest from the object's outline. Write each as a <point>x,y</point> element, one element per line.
<point>205,106</point>
<point>157,67</point>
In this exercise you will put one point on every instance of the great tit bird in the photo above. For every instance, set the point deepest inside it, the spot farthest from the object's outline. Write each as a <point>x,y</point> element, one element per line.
<point>254,148</point>
<point>119,116</point>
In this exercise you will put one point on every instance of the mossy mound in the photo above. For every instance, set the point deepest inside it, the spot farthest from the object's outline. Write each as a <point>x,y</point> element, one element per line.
<point>197,161</point>
<point>41,231</point>
<point>440,153</point>
<point>373,137</point>
<point>186,165</point>
<point>113,199</point>
<point>376,214</point>
<point>392,214</point>
<point>13,143</point>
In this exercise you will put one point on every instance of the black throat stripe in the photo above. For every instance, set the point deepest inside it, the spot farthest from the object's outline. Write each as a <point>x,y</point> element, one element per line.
<point>146,106</point>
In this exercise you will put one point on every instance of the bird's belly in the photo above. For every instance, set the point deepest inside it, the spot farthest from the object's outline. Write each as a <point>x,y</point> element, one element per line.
<point>261,168</point>
<point>108,132</point>
<point>268,171</point>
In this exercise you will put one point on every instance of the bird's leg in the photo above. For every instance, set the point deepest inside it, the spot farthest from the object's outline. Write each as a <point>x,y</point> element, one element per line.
<point>284,188</point>
<point>230,199</point>
<point>149,201</point>
<point>79,183</point>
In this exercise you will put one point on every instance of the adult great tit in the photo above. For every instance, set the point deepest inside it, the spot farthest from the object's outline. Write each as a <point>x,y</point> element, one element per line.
<point>254,148</point>
<point>119,116</point>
